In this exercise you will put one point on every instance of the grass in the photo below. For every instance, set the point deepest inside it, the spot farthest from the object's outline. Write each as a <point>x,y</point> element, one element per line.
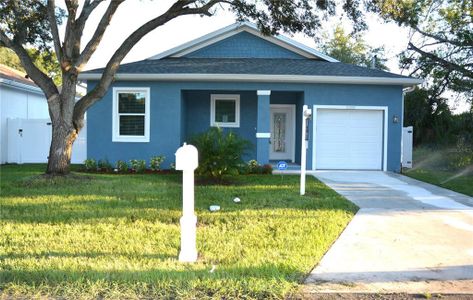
<point>436,167</point>
<point>117,236</point>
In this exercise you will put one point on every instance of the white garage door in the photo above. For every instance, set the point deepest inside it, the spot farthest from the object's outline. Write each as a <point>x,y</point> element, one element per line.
<point>349,139</point>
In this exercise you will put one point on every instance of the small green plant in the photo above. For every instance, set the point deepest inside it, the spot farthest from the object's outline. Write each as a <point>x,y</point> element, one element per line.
<point>219,153</point>
<point>156,161</point>
<point>90,164</point>
<point>122,166</point>
<point>172,166</point>
<point>267,169</point>
<point>138,165</point>
<point>104,165</point>
<point>253,167</point>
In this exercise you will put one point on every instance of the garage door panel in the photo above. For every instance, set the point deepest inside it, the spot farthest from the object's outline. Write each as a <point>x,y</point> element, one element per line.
<point>349,139</point>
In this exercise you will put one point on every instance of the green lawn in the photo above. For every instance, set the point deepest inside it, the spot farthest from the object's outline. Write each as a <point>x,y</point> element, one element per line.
<point>117,236</point>
<point>437,167</point>
<point>451,180</point>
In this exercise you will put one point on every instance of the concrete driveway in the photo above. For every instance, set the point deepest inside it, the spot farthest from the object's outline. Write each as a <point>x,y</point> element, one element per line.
<point>408,236</point>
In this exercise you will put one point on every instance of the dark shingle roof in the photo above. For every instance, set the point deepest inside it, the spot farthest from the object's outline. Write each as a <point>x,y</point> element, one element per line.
<point>260,66</point>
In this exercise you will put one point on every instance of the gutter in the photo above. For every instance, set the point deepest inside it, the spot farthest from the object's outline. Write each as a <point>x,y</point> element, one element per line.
<point>20,86</point>
<point>406,82</point>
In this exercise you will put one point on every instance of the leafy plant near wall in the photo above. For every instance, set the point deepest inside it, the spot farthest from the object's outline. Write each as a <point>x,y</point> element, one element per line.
<point>253,167</point>
<point>219,153</point>
<point>138,165</point>
<point>90,164</point>
<point>156,161</point>
<point>122,166</point>
<point>104,165</point>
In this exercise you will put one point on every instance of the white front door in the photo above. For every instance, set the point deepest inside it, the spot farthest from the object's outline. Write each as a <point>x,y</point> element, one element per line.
<point>282,132</point>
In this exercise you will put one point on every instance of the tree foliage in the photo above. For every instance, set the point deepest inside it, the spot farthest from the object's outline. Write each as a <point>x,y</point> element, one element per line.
<point>441,42</point>
<point>428,113</point>
<point>45,61</point>
<point>29,23</point>
<point>352,49</point>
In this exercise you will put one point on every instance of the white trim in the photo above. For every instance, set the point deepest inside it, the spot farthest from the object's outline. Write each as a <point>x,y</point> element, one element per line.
<point>355,107</point>
<point>228,97</point>
<point>236,28</point>
<point>21,86</point>
<point>293,116</point>
<point>116,137</point>
<point>261,78</point>
<point>263,135</point>
<point>263,93</point>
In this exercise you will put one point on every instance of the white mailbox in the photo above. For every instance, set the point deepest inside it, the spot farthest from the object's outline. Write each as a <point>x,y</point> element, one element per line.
<point>187,158</point>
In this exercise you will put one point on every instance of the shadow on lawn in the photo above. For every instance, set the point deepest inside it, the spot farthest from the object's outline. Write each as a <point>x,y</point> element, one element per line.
<point>85,255</point>
<point>151,197</point>
<point>183,273</point>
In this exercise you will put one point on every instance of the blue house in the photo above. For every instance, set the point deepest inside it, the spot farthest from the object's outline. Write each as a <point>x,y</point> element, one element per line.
<point>256,86</point>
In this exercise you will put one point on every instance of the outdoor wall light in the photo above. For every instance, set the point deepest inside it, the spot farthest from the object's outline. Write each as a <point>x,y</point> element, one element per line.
<point>395,119</point>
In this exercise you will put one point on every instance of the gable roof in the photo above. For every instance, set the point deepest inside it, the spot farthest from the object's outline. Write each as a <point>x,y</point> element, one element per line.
<point>253,69</point>
<point>234,29</point>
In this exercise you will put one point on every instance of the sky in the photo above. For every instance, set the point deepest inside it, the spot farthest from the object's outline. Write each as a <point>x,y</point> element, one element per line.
<point>133,13</point>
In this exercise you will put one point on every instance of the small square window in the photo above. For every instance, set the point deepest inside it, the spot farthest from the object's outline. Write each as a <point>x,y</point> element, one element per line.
<point>225,110</point>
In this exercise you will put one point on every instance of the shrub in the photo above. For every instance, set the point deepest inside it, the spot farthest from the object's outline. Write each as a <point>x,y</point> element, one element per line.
<point>253,167</point>
<point>105,165</point>
<point>156,161</point>
<point>122,166</point>
<point>267,169</point>
<point>138,165</point>
<point>462,156</point>
<point>172,166</point>
<point>90,164</point>
<point>219,153</point>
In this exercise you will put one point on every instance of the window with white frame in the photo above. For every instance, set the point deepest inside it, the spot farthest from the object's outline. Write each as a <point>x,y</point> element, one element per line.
<point>131,114</point>
<point>225,110</point>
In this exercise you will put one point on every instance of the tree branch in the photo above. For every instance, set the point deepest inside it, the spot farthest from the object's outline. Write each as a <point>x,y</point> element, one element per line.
<point>98,34</point>
<point>439,38</point>
<point>54,29</point>
<point>179,8</point>
<point>441,61</point>
<point>87,9</point>
<point>41,79</point>
<point>70,36</point>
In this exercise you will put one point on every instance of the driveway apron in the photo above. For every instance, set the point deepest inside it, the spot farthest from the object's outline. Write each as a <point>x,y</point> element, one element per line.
<point>408,236</point>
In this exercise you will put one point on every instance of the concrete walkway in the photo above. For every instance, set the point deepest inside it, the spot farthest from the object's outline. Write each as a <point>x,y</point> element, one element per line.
<point>408,236</point>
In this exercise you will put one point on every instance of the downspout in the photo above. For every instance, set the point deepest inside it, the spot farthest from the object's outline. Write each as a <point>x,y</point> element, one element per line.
<point>404,92</point>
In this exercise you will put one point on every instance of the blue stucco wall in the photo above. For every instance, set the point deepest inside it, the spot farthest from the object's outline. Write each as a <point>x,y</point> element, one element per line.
<point>243,45</point>
<point>197,117</point>
<point>168,106</point>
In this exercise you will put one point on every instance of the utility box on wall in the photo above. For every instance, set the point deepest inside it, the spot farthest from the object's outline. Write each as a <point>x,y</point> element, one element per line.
<point>407,145</point>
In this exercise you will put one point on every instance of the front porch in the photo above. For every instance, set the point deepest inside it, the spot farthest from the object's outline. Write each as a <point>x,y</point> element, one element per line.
<point>270,120</point>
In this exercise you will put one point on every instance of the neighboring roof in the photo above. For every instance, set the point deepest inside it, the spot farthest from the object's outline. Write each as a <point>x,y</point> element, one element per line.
<point>17,79</point>
<point>236,28</point>
<point>252,69</point>
<point>12,74</point>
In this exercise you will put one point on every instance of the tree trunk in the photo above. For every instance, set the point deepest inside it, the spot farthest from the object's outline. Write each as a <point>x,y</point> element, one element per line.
<point>60,151</point>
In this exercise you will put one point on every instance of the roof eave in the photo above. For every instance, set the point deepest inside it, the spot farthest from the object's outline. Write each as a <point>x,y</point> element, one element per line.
<point>261,78</point>
<point>21,86</point>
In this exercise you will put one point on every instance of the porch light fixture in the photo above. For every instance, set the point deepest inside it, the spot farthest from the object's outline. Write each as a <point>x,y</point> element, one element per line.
<point>395,119</point>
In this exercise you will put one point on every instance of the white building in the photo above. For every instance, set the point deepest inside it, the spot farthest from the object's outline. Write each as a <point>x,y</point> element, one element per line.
<point>25,128</point>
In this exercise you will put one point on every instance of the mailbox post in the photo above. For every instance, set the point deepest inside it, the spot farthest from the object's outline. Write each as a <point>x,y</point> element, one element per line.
<point>187,161</point>
<point>306,115</point>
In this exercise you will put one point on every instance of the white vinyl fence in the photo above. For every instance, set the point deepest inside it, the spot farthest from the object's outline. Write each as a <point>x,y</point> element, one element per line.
<point>407,140</point>
<point>28,141</point>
